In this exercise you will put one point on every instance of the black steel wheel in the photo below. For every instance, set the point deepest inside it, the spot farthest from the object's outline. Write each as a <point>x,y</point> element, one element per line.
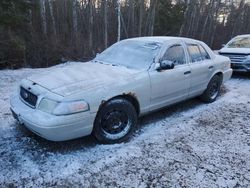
<point>115,121</point>
<point>213,89</point>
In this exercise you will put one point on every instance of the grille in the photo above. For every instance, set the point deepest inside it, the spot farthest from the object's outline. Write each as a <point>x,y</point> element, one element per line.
<point>235,58</point>
<point>28,97</point>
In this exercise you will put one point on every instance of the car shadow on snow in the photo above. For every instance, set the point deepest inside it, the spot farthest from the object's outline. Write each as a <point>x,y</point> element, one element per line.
<point>35,141</point>
<point>31,141</point>
<point>172,110</point>
<point>168,112</point>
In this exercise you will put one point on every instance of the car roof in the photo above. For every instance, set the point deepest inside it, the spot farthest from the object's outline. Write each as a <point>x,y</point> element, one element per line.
<point>165,39</point>
<point>161,39</point>
<point>246,35</point>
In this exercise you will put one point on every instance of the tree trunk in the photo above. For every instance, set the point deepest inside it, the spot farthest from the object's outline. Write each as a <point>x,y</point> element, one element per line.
<point>236,24</point>
<point>140,18</point>
<point>214,23</point>
<point>43,16</point>
<point>132,8</point>
<point>52,17</point>
<point>75,25</point>
<point>185,18</point>
<point>91,20</point>
<point>105,23</point>
<point>119,20</point>
<point>210,9</point>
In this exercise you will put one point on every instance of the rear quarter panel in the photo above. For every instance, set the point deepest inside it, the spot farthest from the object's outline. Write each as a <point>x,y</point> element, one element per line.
<point>223,65</point>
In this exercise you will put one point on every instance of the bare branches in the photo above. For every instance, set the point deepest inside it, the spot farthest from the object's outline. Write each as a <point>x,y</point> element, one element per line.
<point>77,29</point>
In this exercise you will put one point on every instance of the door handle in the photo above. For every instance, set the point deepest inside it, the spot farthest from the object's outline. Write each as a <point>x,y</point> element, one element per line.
<point>188,72</point>
<point>211,67</point>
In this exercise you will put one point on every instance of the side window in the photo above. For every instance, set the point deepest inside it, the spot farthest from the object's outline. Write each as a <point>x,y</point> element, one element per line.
<point>176,54</point>
<point>204,53</point>
<point>194,52</point>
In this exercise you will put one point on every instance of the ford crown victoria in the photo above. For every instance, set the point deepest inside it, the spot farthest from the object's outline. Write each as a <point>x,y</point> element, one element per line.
<point>105,96</point>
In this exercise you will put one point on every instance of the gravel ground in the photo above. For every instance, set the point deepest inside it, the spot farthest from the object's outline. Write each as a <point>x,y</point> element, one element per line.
<point>190,144</point>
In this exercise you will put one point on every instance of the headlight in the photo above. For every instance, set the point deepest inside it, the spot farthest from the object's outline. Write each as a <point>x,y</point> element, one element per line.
<point>63,108</point>
<point>47,105</point>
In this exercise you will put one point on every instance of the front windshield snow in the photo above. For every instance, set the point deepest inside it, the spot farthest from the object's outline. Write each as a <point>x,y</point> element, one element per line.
<point>240,42</point>
<point>130,53</point>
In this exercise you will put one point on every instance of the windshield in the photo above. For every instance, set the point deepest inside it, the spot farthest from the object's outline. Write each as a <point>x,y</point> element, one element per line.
<point>130,53</point>
<point>240,42</point>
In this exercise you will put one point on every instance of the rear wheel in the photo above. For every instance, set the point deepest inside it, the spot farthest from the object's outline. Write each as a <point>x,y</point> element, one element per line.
<point>115,121</point>
<point>213,89</point>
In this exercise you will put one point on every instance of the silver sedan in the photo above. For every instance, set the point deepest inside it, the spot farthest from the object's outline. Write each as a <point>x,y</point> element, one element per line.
<point>105,96</point>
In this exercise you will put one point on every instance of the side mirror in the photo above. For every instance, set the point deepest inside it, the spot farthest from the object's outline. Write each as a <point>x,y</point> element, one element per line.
<point>166,65</point>
<point>223,45</point>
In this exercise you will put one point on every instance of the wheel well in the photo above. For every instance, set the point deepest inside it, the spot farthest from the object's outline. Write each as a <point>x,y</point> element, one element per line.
<point>220,75</point>
<point>130,97</point>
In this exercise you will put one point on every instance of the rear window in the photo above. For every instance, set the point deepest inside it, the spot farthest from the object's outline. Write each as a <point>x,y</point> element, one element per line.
<point>194,52</point>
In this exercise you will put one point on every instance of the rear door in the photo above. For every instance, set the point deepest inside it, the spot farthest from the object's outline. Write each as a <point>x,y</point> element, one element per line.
<point>201,68</point>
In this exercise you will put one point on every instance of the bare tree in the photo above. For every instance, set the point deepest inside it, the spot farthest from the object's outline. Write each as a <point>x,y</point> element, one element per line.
<point>74,7</point>
<point>105,23</point>
<point>77,29</point>
<point>119,20</point>
<point>91,20</point>
<point>153,5</point>
<point>188,8</point>
<point>141,7</point>
<point>43,16</point>
<point>52,16</point>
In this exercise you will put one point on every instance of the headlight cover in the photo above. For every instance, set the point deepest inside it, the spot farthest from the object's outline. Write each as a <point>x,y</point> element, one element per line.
<point>47,105</point>
<point>62,108</point>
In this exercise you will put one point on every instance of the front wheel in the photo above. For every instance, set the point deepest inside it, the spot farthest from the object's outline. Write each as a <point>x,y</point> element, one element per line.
<point>115,121</point>
<point>213,90</point>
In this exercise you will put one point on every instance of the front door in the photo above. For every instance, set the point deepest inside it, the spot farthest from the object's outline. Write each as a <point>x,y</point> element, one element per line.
<point>170,86</point>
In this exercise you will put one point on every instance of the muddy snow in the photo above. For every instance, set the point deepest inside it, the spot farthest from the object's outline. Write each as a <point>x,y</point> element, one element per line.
<point>190,144</point>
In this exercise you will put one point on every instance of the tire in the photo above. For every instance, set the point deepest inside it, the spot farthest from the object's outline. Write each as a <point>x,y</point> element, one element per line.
<point>115,121</point>
<point>213,90</point>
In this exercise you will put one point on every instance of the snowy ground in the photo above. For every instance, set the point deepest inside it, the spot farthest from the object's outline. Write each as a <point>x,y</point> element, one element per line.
<point>187,145</point>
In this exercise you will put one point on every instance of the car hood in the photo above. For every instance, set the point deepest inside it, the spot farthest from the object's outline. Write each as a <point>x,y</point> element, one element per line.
<point>235,50</point>
<point>82,77</point>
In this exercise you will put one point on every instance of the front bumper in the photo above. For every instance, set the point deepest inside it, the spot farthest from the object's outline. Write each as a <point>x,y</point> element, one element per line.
<point>51,127</point>
<point>240,67</point>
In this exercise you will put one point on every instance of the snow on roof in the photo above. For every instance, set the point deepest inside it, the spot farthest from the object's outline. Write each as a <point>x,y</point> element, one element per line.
<point>161,39</point>
<point>246,35</point>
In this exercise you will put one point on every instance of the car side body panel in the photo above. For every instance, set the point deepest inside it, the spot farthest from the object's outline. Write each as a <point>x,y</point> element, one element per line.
<point>169,86</point>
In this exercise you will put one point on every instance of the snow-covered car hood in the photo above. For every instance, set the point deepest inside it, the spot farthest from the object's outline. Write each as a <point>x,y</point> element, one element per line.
<point>82,77</point>
<point>235,50</point>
